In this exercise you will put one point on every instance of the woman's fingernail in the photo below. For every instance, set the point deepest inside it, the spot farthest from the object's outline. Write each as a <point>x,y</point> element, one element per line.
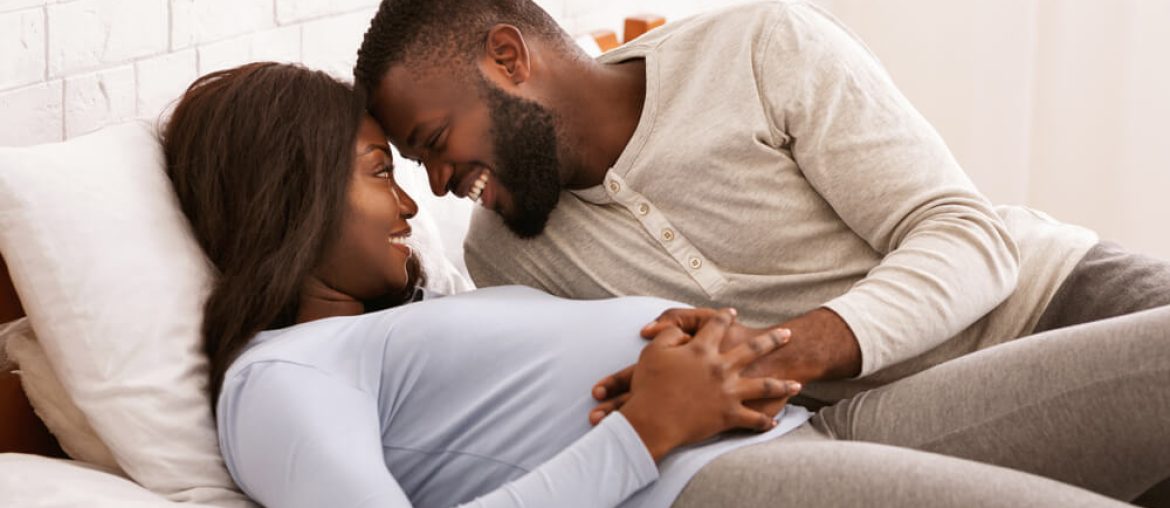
<point>733,311</point>
<point>794,387</point>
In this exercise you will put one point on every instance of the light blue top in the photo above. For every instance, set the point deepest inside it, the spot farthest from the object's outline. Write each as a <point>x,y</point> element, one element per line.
<point>480,398</point>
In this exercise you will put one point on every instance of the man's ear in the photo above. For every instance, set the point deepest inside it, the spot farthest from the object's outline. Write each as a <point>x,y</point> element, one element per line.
<point>506,54</point>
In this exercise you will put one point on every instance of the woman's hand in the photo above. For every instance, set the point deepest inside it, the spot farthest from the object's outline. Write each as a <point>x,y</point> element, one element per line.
<point>613,391</point>
<point>684,389</point>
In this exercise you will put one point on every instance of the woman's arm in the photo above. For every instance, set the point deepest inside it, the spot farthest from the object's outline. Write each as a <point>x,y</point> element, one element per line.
<point>297,437</point>
<point>294,436</point>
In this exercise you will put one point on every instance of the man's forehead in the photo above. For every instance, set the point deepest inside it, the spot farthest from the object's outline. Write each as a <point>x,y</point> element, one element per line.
<point>405,97</point>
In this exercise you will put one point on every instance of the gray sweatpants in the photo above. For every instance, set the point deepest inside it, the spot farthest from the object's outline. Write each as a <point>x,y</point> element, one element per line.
<point>1077,414</point>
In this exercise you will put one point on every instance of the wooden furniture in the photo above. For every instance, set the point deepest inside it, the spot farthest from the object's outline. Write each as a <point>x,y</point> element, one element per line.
<point>638,25</point>
<point>605,39</point>
<point>635,26</point>
<point>21,431</point>
<point>9,303</point>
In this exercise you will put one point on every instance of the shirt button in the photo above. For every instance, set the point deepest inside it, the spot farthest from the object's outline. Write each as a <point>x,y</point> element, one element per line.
<point>696,263</point>
<point>667,234</point>
<point>643,208</point>
<point>614,187</point>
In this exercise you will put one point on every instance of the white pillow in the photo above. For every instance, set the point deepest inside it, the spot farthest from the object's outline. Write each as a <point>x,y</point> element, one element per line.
<point>30,481</point>
<point>113,282</point>
<point>51,402</point>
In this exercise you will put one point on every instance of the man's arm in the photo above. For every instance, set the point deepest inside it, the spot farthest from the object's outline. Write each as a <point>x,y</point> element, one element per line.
<point>946,256</point>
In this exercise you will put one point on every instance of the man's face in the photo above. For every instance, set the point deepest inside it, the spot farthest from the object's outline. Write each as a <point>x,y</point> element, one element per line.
<point>475,140</point>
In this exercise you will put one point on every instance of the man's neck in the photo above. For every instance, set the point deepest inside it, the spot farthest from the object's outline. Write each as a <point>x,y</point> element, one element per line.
<point>600,105</point>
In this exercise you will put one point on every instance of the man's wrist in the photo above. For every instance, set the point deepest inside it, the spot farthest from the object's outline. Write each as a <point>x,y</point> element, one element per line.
<point>822,348</point>
<point>844,354</point>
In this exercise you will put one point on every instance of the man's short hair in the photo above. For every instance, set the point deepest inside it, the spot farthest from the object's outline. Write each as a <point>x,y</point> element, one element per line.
<point>447,33</point>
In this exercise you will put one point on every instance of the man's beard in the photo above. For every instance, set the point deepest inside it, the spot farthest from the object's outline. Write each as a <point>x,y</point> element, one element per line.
<point>524,137</point>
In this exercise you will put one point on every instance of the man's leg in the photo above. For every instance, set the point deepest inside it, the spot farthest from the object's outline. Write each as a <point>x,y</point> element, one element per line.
<point>1111,281</point>
<point>1085,405</point>
<point>1108,281</point>
<point>807,468</point>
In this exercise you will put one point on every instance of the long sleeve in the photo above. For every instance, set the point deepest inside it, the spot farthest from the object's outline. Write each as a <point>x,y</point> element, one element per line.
<point>947,256</point>
<point>295,436</point>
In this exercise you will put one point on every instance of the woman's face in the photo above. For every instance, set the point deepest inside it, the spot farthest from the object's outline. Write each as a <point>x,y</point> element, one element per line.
<point>368,260</point>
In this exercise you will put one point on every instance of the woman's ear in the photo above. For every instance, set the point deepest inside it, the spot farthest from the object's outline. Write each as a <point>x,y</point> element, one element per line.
<point>507,55</point>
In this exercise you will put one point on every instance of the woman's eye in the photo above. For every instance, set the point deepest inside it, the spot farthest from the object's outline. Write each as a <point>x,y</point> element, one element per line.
<point>385,172</point>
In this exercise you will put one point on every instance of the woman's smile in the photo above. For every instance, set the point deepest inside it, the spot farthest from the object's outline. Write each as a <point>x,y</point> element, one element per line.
<point>401,241</point>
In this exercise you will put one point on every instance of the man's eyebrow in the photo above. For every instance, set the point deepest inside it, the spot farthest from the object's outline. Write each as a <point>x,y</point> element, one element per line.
<point>412,139</point>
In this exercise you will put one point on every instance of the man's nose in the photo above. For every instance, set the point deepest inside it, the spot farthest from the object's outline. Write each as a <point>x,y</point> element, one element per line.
<point>439,175</point>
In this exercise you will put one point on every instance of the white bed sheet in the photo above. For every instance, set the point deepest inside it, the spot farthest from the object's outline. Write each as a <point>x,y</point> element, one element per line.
<point>39,482</point>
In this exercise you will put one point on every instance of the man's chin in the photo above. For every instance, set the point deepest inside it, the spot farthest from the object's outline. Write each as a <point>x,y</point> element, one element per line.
<point>526,231</point>
<point>526,226</point>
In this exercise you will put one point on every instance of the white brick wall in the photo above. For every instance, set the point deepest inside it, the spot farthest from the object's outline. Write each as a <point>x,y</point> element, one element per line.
<point>22,47</point>
<point>68,67</point>
<point>101,98</point>
<point>89,34</point>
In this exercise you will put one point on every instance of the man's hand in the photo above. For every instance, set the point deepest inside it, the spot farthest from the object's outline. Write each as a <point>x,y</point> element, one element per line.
<point>822,347</point>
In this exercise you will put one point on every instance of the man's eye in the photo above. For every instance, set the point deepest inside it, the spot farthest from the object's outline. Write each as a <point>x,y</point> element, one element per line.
<point>434,139</point>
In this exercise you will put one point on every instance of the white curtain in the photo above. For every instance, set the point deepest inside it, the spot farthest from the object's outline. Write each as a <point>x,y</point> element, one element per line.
<point>1062,105</point>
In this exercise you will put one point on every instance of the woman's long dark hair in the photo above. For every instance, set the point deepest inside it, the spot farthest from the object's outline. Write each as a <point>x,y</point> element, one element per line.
<point>260,157</point>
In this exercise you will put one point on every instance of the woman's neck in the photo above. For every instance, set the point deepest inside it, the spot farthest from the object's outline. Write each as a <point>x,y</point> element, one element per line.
<point>320,301</point>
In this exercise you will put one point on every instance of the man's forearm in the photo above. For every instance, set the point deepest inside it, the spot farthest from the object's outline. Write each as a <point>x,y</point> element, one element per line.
<point>822,348</point>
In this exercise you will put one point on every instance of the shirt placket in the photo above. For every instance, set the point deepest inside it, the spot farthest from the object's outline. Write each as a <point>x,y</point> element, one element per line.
<point>693,262</point>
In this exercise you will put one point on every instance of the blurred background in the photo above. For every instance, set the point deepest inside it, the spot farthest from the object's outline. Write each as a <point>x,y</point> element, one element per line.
<point>1061,105</point>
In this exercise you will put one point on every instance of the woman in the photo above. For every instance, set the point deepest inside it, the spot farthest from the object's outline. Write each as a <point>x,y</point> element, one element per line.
<point>333,389</point>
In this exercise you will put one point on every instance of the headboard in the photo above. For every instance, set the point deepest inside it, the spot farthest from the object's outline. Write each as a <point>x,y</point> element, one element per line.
<point>20,429</point>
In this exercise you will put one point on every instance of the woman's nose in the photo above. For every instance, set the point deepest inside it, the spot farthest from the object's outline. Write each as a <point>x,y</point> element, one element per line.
<point>407,207</point>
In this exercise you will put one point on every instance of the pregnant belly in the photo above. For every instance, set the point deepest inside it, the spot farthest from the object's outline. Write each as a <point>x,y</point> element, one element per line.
<point>500,381</point>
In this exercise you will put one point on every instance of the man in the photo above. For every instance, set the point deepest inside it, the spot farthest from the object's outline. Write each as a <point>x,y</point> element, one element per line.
<point>760,158</point>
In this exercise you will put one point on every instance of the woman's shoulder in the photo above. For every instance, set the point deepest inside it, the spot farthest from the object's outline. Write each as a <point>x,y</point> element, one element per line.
<point>326,345</point>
